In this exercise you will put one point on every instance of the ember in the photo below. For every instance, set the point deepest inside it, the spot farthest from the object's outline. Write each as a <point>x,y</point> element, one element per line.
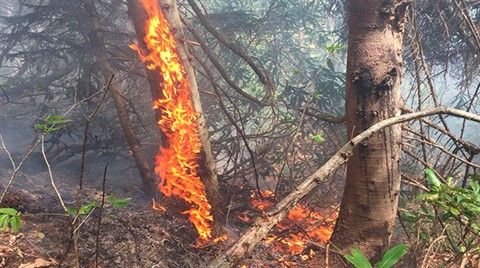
<point>176,163</point>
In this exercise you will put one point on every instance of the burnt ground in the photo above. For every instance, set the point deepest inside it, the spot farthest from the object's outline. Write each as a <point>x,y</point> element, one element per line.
<point>133,236</point>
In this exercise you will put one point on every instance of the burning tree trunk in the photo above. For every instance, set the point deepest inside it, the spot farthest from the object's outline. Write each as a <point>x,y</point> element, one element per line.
<point>185,163</point>
<point>374,73</point>
<point>97,41</point>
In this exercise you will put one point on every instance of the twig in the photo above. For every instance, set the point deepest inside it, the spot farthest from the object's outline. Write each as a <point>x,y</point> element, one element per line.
<point>408,178</point>
<point>325,218</point>
<point>17,168</point>
<point>33,146</point>
<point>327,253</point>
<point>217,90</point>
<point>84,145</point>
<point>97,246</point>
<point>424,140</point>
<point>290,144</point>
<point>427,255</point>
<point>73,223</point>
<point>467,146</point>
<point>330,118</point>
<point>228,43</point>
<point>219,67</point>
<point>262,226</point>
<point>4,147</point>
<point>423,162</point>
<point>52,181</point>
<point>50,174</point>
<point>404,228</point>
<point>5,93</point>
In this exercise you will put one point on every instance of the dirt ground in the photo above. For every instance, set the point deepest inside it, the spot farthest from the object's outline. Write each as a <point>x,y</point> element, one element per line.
<point>133,236</point>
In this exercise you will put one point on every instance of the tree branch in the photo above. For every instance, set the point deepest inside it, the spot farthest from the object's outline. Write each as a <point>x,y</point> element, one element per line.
<point>219,67</point>
<point>261,73</point>
<point>262,226</point>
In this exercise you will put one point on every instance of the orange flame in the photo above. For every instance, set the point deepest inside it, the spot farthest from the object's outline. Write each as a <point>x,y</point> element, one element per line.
<point>176,164</point>
<point>156,206</point>
<point>301,225</point>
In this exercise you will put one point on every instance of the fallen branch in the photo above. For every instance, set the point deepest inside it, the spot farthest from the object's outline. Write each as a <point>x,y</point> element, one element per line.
<point>262,226</point>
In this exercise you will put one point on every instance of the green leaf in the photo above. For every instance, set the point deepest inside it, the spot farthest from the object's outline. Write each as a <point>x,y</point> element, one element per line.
<point>454,211</point>
<point>474,208</point>
<point>4,219</point>
<point>118,203</point>
<point>392,256</point>
<point>475,187</point>
<point>427,196</point>
<point>84,209</point>
<point>460,198</point>
<point>410,217</point>
<point>72,211</point>
<point>15,223</point>
<point>432,178</point>
<point>332,48</point>
<point>87,208</point>
<point>56,119</point>
<point>329,48</point>
<point>8,211</point>
<point>52,123</point>
<point>424,236</point>
<point>318,138</point>
<point>358,259</point>
<point>5,222</point>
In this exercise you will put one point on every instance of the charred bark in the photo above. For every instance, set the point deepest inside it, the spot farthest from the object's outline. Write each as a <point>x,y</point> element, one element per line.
<point>207,170</point>
<point>374,74</point>
<point>97,42</point>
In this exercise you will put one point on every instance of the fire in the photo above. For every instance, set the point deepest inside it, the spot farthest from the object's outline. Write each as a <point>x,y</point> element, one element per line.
<point>297,229</point>
<point>176,163</point>
<point>156,206</point>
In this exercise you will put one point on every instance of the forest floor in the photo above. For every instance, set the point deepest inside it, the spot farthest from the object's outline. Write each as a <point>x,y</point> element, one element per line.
<point>133,236</point>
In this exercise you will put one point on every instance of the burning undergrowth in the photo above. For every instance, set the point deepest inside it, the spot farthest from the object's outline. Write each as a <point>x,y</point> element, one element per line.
<point>295,240</point>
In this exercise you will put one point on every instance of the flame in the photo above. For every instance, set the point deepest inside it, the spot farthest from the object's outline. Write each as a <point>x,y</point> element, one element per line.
<point>244,218</point>
<point>176,164</point>
<point>293,233</point>
<point>157,206</point>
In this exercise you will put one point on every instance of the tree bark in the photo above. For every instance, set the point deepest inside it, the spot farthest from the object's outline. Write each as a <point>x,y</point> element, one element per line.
<point>263,225</point>
<point>207,170</point>
<point>374,73</point>
<point>97,42</point>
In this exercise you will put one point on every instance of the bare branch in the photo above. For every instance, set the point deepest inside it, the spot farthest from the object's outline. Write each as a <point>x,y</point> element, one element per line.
<point>262,226</point>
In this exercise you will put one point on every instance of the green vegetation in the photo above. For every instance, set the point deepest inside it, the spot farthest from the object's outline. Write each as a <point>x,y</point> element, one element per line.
<point>51,123</point>
<point>453,209</point>
<point>10,217</point>
<point>391,257</point>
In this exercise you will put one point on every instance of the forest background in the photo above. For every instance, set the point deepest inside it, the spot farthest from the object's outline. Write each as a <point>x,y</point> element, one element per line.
<point>274,105</point>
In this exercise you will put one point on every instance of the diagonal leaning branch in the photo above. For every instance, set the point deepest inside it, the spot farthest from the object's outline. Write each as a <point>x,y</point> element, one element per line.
<point>262,226</point>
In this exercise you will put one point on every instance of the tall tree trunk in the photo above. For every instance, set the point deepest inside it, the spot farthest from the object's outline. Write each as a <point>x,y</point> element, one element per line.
<point>97,41</point>
<point>374,73</point>
<point>206,171</point>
